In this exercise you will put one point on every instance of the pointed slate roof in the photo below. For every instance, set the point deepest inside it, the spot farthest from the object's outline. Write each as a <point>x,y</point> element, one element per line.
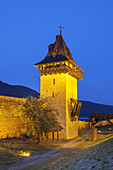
<point>57,51</point>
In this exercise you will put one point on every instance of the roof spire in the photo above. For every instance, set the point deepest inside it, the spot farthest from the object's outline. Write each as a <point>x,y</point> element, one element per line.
<point>61,29</point>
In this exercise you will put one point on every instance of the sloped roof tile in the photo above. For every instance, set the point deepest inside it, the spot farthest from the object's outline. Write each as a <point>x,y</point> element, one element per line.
<point>50,59</point>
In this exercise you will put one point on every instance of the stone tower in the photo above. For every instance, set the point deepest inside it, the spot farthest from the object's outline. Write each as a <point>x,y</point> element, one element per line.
<point>59,74</point>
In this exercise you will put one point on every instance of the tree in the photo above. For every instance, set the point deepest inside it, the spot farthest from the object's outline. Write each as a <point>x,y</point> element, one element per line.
<point>39,117</point>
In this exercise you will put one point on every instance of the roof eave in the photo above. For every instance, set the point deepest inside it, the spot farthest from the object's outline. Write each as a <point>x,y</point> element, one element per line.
<point>39,64</point>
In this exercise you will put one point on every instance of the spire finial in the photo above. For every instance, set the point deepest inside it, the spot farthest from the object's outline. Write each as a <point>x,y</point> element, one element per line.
<point>60,29</point>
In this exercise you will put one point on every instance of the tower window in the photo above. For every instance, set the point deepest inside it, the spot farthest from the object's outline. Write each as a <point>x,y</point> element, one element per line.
<point>52,94</point>
<point>53,81</point>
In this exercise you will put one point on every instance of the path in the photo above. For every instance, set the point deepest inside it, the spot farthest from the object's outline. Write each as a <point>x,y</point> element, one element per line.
<point>38,159</point>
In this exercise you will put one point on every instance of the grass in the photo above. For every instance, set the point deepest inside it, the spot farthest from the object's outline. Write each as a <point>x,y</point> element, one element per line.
<point>95,153</point>
<point>90,155</point>
<point>11,148</point>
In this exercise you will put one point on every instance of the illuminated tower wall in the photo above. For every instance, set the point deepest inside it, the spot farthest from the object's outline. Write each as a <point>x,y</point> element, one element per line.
<point>58,84</point>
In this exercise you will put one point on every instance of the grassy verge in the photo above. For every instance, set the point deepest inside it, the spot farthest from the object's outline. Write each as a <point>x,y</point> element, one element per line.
<point>98,155</point>
<point>90,155</point>
<point>11,149</point>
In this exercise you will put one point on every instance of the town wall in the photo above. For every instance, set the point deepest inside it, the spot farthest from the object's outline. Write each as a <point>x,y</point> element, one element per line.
<point>11,125</point>
<point>83,124</point>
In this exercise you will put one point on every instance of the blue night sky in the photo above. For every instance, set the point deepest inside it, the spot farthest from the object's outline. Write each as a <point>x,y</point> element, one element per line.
<point>27,27</point>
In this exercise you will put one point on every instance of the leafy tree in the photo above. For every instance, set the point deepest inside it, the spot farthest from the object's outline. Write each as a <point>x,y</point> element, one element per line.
<point>39,117</point>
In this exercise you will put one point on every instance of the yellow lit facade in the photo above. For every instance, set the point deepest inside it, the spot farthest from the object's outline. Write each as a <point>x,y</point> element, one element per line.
<point>11,124</point>
<point>58,84</point>
<point>64,88</point>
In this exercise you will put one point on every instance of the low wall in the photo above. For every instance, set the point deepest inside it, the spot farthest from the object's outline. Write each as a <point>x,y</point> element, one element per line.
<point>11,125</point>
<point>104,123</point>
<point>83,124</point>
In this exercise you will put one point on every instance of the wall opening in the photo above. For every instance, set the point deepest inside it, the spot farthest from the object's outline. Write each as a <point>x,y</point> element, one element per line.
<point>53,81</point>
<point>53,94</point>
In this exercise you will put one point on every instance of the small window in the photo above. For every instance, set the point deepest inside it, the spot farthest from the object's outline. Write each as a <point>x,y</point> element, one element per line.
<point>52,94</point>
<point>53,81</point>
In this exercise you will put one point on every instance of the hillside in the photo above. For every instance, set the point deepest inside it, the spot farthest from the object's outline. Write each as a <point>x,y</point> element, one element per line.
<point>22,91</point>
<point>16,91</point>
<point>90,107</point>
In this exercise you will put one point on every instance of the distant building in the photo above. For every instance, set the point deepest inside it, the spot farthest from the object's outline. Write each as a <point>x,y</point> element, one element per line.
<point>59,74</point>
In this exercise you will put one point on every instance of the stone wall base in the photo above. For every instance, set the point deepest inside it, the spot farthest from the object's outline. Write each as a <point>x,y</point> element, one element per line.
<point>92,134</point>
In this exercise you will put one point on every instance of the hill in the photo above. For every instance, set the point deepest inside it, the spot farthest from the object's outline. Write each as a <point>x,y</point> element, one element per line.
<point>90,107</point>
<point>16,91</point>
<point>22,91</point>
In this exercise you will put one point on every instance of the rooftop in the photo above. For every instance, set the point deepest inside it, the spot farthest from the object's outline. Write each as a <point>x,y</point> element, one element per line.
<point>57,51</point>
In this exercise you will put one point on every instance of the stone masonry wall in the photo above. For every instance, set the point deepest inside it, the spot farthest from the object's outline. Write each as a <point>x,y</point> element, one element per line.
<point>11,124</point>
<point>71,92</point>
<point>65,87</point>
<point>58,101</point>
